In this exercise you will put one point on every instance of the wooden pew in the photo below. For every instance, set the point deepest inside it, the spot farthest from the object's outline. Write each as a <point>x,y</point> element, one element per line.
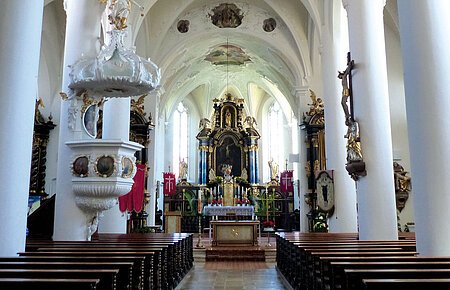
<point>173,253</point>
<point>338,268</point>
<point>354,277</point>
<point>108,278</point>
<point>406,284</point>
<point>137,263</point>
<point>177,259</point>
<point>48,284</point>
<point>124,278</point>
<point>149,283</point>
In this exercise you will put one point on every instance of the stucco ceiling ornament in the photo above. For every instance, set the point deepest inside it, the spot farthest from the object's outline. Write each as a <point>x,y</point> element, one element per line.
<point>226,16</point>
<point>117,71</point>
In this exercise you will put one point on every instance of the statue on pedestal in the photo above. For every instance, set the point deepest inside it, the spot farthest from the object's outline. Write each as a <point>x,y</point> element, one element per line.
<point>273,170</point>
<point>183,170</point>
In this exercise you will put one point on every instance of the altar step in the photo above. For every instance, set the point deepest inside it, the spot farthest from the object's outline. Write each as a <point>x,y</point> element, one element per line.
<point>235,254</point>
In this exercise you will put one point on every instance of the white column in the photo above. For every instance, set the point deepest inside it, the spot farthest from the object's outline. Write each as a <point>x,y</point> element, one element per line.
<point>344,218</point>
<point>424,28</point>
<point>116,126</point>
<point>301,94</point>
<point>82,33</point>
<point>376,196</point>
<point>20,34</point>
<point>113,221</point>
<point>116,119</point>
<point>152,105</point>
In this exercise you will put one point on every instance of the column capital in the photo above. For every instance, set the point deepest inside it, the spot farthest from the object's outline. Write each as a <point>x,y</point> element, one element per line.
<point>346,3</point>
<point>300,91</point>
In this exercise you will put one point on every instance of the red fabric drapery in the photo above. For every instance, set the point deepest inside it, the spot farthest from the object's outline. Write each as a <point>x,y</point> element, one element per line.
<point>133,201</point>
<point>170,186</point>
<point>286,184</point>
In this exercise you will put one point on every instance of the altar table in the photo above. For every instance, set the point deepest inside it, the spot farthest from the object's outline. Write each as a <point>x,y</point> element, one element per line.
<point>226,233</point>
<point>212,210</point>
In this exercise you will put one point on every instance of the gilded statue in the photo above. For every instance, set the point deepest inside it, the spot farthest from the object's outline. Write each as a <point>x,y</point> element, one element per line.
<point>250,121</point>
<point>354,152</point>
<point>273,170</point>
<point>204,123</point>
<point>212,175</point>
<point>183,170</point>
<point>317,105</point>
<point>244,174</point>
<point>228,118</point>
<point>402,182</point>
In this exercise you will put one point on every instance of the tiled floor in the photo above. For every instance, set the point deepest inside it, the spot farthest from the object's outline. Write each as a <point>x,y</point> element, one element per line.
<point>232,276</point>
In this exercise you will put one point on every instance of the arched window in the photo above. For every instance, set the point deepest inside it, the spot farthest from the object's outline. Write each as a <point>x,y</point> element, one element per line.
<point>180,136</point>
<point>276,134</point>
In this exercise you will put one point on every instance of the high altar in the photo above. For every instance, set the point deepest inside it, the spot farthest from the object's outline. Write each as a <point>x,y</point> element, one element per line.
<point>228,185</point>
<point>229,148</point>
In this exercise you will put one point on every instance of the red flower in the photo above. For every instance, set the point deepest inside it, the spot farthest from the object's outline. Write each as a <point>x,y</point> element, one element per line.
<point>268,224</point>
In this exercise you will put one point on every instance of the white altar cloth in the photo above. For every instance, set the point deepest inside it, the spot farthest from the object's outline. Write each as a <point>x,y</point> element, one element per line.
<point>212,210</point>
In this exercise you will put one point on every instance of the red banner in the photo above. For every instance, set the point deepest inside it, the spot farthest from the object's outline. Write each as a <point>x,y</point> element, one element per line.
<point>169,183</point>
<point>133,201</point>
<point>286,182</point>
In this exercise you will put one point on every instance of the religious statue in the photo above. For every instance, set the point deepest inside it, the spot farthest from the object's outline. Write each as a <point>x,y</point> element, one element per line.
<point>183,170</point>
<point>119,15</point>
<point>212,175</point>
<point>317,105</point>
<point>226,170</point>
<point>244,174</point>
<point>402,182</point>
<point>204,123</point>
<point>228,118</point>
<point>354,153</point>
<point>273,170</point>
<point>250,121</point>
<point>344,76</point>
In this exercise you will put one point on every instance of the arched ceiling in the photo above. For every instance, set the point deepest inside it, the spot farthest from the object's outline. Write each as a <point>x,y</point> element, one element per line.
<point>280,58</point>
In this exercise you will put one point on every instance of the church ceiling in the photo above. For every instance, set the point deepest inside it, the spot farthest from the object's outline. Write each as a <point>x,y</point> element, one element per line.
<point>188,40</point>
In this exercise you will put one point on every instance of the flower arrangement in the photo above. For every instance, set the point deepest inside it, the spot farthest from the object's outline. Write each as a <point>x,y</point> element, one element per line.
<point>246,202</point>
<point>238,201</point>
<point>241,181</point>
<point>215,202</point>
<point>268,224</point>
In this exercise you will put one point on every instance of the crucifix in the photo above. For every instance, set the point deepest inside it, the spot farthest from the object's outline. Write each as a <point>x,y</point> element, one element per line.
<point>286,180</point>
<point>346,77</point>
<point>169,183</point>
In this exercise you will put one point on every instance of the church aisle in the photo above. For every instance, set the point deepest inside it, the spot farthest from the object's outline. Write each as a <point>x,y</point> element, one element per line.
<point>232,275</point>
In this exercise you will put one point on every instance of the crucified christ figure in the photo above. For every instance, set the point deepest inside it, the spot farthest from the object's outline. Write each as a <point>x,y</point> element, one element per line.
<point>344,76</point>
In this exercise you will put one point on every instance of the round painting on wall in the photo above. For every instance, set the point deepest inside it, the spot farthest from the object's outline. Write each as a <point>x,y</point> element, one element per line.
<point>80,166</point>
<point>105,166</point>
<point>127,167</point>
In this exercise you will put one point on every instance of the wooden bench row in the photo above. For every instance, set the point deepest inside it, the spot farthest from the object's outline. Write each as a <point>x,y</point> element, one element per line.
<point>144,261</point>
<point>339,261</point>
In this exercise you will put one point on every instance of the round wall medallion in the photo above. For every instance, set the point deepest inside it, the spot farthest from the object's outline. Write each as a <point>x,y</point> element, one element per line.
<point>269,24</point>
<point>80,166</point>
<point>127,167</point>
<point>105,166</point>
